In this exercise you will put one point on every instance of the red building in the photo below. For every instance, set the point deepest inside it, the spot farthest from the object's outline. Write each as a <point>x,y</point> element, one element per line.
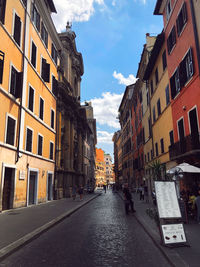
<point>183,60</point>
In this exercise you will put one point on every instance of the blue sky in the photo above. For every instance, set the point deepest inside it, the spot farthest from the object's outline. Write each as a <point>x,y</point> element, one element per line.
<point>110,34</point>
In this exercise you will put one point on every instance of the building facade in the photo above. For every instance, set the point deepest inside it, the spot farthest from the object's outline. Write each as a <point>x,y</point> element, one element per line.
<point>28,62</point>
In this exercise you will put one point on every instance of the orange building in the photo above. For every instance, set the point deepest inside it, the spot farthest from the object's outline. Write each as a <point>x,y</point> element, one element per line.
<point>28,71</point>
<point>100,167</point>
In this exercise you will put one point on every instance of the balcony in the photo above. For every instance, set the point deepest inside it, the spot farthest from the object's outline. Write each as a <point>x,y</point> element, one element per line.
<point>188,146</point>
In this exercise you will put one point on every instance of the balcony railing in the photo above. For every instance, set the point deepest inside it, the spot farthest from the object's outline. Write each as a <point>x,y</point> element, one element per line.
<point>189,144</point>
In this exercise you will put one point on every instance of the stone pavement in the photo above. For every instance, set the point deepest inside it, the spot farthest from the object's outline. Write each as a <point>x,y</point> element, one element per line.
<point>20,226</point>
<point>179,256</point>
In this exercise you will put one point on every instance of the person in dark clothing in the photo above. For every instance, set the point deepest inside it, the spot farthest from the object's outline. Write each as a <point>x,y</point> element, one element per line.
<point>128,199</point>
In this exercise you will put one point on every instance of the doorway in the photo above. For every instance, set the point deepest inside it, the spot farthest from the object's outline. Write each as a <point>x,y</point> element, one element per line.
<point>49,186</point>
<point>32,198</point>
<point>8,188</point>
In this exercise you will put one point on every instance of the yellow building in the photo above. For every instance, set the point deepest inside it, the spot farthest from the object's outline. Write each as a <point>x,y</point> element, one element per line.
<point>160,109</point>
<point>28,49</point>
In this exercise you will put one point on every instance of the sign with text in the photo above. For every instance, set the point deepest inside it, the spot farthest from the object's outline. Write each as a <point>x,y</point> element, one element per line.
<point>167,201</point>
<point>173,233</point>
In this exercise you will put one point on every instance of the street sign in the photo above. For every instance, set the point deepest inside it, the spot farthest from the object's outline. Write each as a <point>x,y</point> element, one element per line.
<point>173,233</point>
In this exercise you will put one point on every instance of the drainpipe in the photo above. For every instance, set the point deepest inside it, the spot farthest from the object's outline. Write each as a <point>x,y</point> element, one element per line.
<point>20,107</point>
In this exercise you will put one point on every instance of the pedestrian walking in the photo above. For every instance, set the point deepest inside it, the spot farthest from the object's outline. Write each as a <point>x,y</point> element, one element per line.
<point>197,203</point>
<point>74,189</point>
<point>146,194</point>
<point>80,191</point>
<point>141,192</point>
<point>104,187</point>
<point>128,199</point>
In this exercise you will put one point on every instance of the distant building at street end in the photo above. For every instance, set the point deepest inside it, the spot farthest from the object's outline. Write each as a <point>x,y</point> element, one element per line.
<point>100,167</point>
<point>109,173</point>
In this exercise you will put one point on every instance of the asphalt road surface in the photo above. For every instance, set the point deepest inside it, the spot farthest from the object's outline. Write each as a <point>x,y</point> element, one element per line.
<point>97,235</point>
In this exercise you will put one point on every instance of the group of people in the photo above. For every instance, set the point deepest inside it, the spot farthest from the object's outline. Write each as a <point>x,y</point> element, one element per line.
<point>192,202</point>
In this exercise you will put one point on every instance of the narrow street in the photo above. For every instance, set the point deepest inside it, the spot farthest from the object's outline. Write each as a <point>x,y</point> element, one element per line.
<point>99,234</point>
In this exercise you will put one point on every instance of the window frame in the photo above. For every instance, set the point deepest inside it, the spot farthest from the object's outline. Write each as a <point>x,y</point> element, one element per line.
<point>51,143</point>
<point>183,13</point>
<point>53,110</point>
<point>16,94</point>
<point>30,86</point>
<point>6,129</point>
<point>39,135</point>
<point>13,28</point>
<point>31,54</point>
<point>44,34</point>
<point>30,129</point>
<point>41,98</point>
<point>34,19</point>
<point>171,40</point>
<point>167,96</point>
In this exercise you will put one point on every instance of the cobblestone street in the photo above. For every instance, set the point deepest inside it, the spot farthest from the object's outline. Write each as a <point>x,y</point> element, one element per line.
<point>99,234</point>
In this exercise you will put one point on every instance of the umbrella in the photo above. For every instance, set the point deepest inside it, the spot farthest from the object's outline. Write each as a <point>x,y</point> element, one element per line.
<point>184,167</point>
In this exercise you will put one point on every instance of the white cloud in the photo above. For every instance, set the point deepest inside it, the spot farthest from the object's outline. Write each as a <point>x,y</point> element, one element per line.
<point>104,137</point>
<point>122,80</point>
<point>106,109</point>
<point>76,10</point>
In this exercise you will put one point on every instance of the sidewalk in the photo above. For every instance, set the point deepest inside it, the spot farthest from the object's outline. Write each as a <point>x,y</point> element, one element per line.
<point>20,226</point>
<point>180,256</point>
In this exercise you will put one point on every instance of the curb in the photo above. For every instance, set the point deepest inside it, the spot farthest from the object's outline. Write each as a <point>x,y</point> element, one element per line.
<point>179,261</point>
<point>9,249</point>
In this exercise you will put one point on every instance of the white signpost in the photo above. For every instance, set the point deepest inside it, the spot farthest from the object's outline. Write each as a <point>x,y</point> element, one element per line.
<point>169,211</point>
<point>167,201</point>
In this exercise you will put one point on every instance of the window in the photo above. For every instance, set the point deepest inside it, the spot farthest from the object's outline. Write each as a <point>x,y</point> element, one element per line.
<point>167,95</point>
<point>156,76</point>
<point>158,107</point>
<point>151,87</point>
<point>145,158</point>
<point>2,10</point>
<point>181,130</point>
<point>16,82</point>
<point>51,150</point>
<point>40,144</point>
<point>44,34</point>
<point>33,54</point>
<point>175,83</point>
<point>162,145</point>
<point>54,86</point>
<point>168,9</point>
<point>31,98</point>
<point>151,154</point>
<point>52,118</point>
<point>171,40</point>
<point>148,156</point>
<point>10,133</point>
<point>45,70</point>
<point>164,60</point>
<point>182,19</point>
<point>156,146</point>
<point>171,136</point>
<point>154,114</point>
<point>149,124</point>
<point>186,68</point>
<point>35,16</point>
<point>29,139</point>
<point>54,53</point>
<point>41,112</point>
<point>2,55</point>
<point>17,29</point>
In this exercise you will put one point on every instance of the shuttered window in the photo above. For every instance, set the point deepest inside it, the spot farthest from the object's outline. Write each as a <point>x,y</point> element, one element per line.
<point>162,145</point>
<point>167,95</point>
<point>54,86</point>
<point>2,55</point>
<point>164,60</point>
<point>45,70</point>
<point>182,19</point>
<point>52,119</point>
<point>33,54</point>
<point>35,16</point>
<point>171,40</point>
<point>29,140</point>
<point>10,134</point>
<point>40,144</point>
<point>17,29</point>
<point>154,114</point>
<point>16,83</point>
<point>158,107</point>
<point>31,98</point>
<point>175,83</point>
<point>51,150</point>
<point>54,53</point>
<point>41,114</point>
<point>44,34</point>
<point>2,10</point>
<point>156,147</point>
